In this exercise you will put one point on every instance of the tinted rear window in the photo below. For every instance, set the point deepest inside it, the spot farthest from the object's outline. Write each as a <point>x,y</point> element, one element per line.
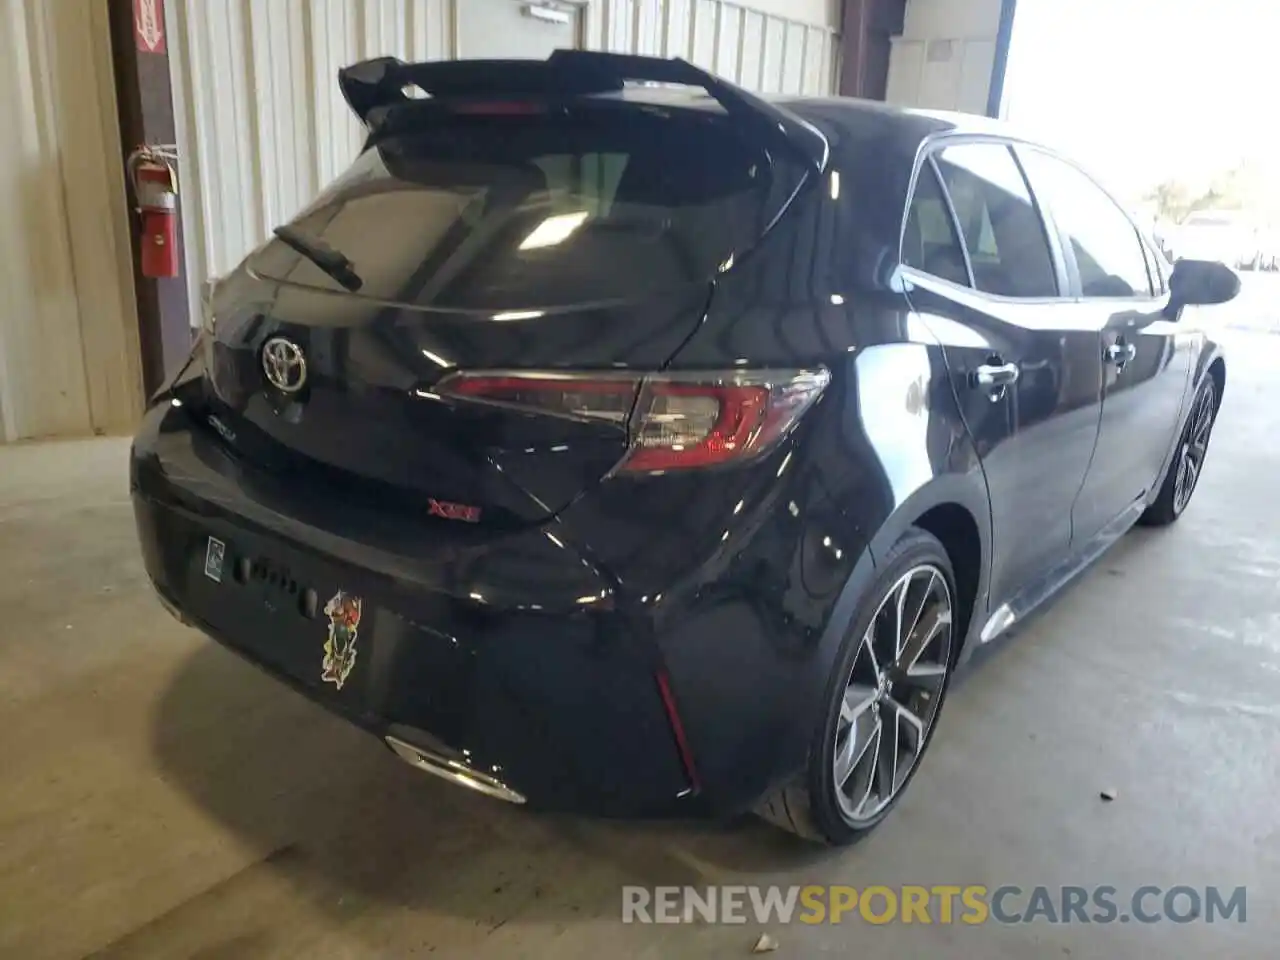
<point>614,201</point>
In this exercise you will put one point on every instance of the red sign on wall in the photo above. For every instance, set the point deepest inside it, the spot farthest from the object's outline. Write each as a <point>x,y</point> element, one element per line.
<point>148,25</point>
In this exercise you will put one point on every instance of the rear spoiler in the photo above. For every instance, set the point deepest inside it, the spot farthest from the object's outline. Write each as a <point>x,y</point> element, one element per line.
<point>373,87</point>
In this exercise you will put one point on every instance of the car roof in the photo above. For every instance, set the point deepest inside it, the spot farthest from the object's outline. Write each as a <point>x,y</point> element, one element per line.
<point>874,144</point>
<point>840,110</point>
<point>910,121</point>
<point>851,125</point>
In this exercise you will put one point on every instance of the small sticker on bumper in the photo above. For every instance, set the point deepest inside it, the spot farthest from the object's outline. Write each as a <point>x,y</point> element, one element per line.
<point>214,556</point>
<point>344,611</point>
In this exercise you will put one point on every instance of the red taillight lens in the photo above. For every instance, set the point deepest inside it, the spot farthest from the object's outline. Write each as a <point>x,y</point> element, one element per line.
<point>701,420</point>
<point>674,421</point>
<point>580,398</point>
<point>690,425</point>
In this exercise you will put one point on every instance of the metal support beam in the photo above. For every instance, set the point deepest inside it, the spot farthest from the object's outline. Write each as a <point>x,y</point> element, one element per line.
<point>145,106</point>
<point>1004,37</point>
<point>865,31</point>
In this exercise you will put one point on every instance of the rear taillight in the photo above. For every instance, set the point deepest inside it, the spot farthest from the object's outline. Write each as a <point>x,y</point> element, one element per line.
<point>579,398</point>
<point>673,421</point>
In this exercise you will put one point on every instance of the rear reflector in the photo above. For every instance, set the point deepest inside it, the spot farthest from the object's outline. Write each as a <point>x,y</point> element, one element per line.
<point>673,421</point>
<point>677,731</point>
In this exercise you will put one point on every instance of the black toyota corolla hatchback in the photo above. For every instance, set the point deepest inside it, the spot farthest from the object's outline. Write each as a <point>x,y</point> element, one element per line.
<point>612,440</point>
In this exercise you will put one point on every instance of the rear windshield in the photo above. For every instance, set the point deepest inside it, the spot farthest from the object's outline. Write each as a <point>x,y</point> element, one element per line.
<point>501,212</point>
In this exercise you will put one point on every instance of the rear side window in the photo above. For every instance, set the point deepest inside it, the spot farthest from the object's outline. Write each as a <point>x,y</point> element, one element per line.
<point>1002,229</point>
<point>600,202</point>
<point>929,242</point>
<point>1107,248</point>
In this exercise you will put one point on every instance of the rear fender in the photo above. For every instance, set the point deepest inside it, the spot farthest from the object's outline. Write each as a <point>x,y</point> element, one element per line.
<point>1208,354</point>
<point>750,647</point>
<point>967,491</point>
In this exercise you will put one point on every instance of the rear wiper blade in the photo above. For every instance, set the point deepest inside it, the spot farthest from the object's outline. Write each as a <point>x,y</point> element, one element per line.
<point>323,256</point>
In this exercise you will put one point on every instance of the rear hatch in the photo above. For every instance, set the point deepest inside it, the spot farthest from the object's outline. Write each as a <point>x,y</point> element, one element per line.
<point>495,235</point>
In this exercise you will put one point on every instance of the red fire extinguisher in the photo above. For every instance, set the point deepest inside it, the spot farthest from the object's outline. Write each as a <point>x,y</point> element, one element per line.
<point>155,187</point>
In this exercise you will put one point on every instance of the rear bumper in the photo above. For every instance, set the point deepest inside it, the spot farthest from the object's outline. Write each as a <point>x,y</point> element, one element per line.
<point>544,699</point>
<point>658,649</point>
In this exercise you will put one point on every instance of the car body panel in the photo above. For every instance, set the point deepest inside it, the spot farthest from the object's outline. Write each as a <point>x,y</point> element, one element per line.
<point>1140,407</point>
<point>1035,439</point>
<point>648,644</point>
<point>484,652</point>
<point>370,417</point>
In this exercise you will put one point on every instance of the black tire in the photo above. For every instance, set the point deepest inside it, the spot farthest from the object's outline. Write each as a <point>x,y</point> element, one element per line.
<point>808,805</point>
<point>1174,495</point>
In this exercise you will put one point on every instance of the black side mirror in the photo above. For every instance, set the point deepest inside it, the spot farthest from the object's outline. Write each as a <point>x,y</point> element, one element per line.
<point>1201,283</point>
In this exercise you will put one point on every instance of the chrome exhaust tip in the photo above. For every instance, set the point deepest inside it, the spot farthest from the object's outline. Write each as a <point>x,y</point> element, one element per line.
<point>171,607</point>
<point>452,770</point>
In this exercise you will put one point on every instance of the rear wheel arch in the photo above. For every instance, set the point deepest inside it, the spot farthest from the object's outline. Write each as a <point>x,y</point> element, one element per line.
<point>1218,370</point>
<point>957,530</point>
<point>807,803</point>
<point>954,508</point>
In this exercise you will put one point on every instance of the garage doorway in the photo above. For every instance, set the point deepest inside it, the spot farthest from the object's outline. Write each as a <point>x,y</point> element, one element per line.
<point>1165,101</point>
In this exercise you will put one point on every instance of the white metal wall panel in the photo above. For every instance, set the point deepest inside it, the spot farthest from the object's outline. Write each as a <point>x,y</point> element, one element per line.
<point>793,54</point>
<point>69,357</point>
<point>941,74</point>
<point>729,42</point>
<point>906,65</point>
<point>771,68</point>
<point>262,123</point>
<point>824,12</point>
<point>820,61</point>
<point>281,121</point>
<point>751,50</point>
<point>947,18</point>
<point>677,25</point>
<point>501,29</point>
<point>648,29</point>
<point>263,126</point>
<point>702,27</point>
<point>334,44</point>
<point>945,56</point>
<point>977,61</point>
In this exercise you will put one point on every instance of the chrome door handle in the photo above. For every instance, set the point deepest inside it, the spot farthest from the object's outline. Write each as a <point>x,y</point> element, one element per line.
<point>1120,354</point>
<point>995,376</point>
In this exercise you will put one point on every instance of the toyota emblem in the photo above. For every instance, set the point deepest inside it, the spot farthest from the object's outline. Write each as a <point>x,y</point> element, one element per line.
<point>284,364</point>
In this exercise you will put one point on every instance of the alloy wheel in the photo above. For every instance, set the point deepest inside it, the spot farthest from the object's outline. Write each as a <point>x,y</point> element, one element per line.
<point>1194,446</point>
<point>893,693</point>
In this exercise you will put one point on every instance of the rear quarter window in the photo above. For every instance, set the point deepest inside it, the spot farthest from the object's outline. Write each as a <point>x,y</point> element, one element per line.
<point>929,241</point>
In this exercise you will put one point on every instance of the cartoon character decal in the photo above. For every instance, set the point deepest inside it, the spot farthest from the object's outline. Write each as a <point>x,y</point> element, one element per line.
<point>343,611</point>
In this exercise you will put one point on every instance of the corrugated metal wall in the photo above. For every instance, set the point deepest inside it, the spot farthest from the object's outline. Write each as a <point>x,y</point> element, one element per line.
<point>262,126</point>
<point>945,56</point>
<point>69,356</point>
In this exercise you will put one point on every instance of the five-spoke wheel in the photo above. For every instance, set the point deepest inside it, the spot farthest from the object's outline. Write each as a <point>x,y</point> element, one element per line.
<point>1188,461</point>
<point>885,690</point>
<point>893,693</point>
<point>1194,446</point>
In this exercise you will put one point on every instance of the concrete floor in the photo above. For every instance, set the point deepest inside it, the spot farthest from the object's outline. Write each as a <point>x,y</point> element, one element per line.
<point>162,799</point>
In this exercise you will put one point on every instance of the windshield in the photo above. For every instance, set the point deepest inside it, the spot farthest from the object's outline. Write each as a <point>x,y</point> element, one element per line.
<point>606,202</point>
